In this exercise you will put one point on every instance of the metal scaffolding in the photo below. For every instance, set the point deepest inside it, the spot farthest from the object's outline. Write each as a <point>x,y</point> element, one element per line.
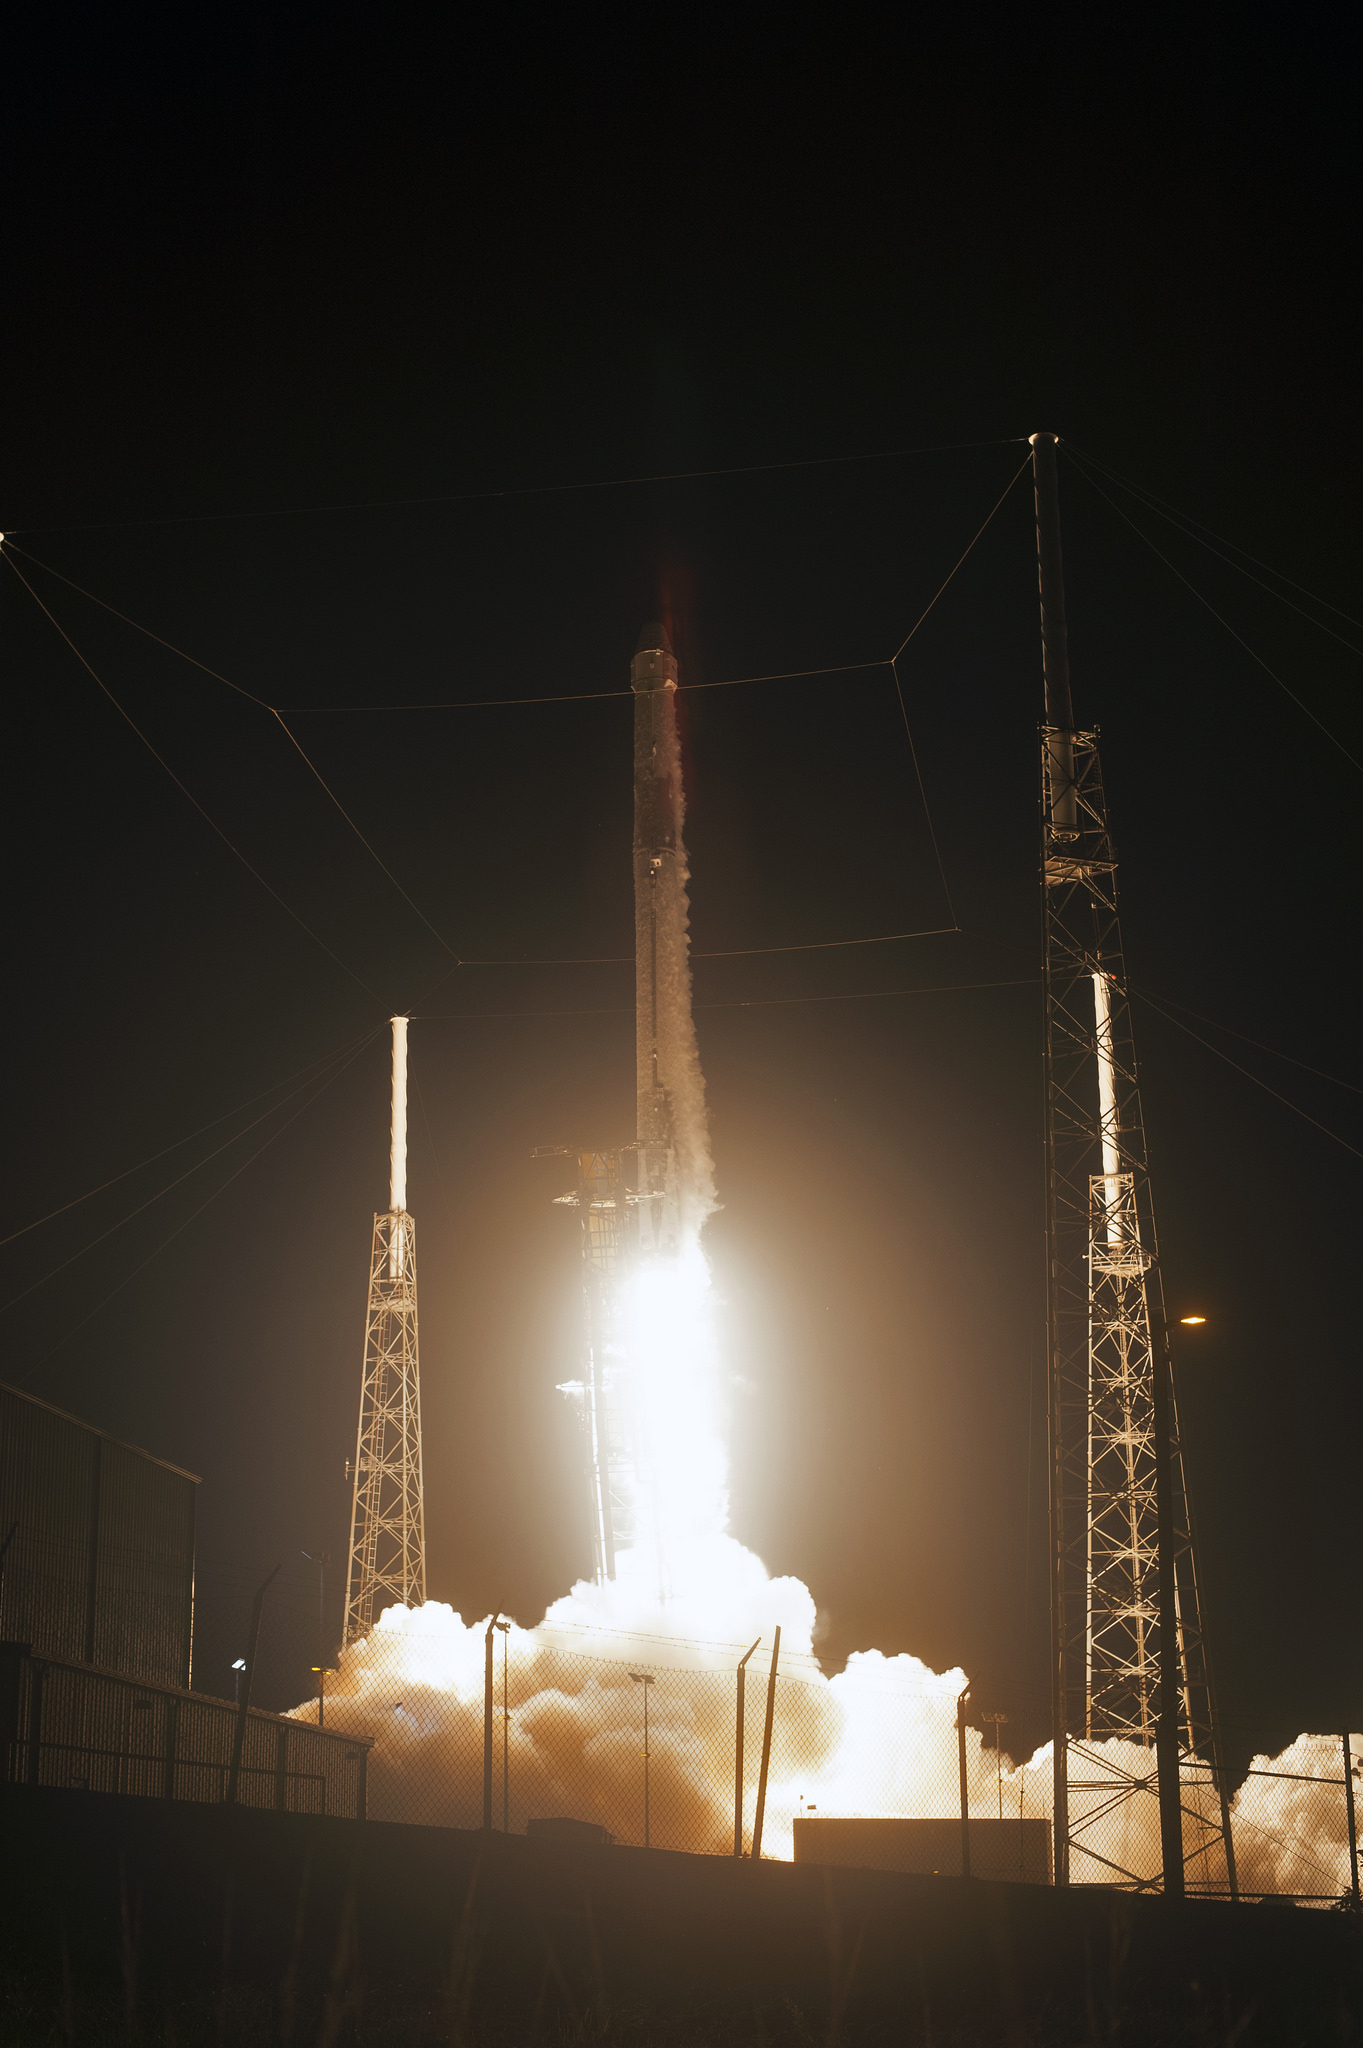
<point>387,1520</point>
<point>607,1215</point>
<point>1121,1529</point>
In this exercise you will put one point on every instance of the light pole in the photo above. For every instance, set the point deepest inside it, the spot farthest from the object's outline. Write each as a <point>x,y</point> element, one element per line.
<point>645,1679</point>
<point>237,1668</point>
<point>322,1672</point>
<point>505,1627</point>
<point>321,1558</point>
<point>998,1720</point>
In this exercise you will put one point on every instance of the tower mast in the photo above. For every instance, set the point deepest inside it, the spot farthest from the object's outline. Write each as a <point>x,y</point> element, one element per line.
<point>1128,1659</point>
<point>387,1518</point>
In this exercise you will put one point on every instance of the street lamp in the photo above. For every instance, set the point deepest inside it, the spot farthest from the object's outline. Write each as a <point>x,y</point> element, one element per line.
<point>322,1672</point>
<point>237,1668</point>
<point>321,1558</point>
<point>998,1721</point>
<point>645,1679</point>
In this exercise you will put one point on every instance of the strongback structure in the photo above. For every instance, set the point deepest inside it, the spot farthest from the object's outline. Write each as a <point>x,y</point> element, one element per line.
<point>387,1520</point>
<point>1128,1658</point>
<point>607,1215</point>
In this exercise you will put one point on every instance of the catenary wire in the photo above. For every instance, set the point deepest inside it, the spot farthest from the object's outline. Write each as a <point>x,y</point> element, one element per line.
<point>727,683</point>
<point>170,1238</point>
<point>761,1002</point>
<point>1248,1074</point>
<point>1259,1045</point>
<point>218,677</point>
<point>780,675</point>
<point>1187,523</point>
<point>1240,641</point>
<point>734,953</point>
<point>184,791</point>
<point>899,688</point>
<point>379,862</point>
<point>188,1174</point>
<point>188,1139</point>
<point>610,483</point>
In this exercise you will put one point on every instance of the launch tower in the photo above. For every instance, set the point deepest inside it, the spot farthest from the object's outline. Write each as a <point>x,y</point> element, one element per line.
<point>1128,1659</point>
<point>387,1519</point>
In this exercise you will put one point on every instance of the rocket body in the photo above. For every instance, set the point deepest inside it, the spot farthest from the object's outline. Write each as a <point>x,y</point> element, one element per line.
<point>675,1173</point>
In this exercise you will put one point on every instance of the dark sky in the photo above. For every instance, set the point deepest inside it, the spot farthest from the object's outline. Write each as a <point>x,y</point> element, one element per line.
<point>384,269</point>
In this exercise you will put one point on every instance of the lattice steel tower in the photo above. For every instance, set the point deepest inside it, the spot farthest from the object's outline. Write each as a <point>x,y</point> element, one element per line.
<point>1121,1534</point>
<point>387,1520</point>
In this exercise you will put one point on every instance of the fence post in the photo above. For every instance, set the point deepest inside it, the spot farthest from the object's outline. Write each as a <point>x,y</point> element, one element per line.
<point>172,1739</point>
<point>244,1705</point>
<point>35,1720</point>
<point>487,1726</point>
<point>281,1770</point>
<point>965,1788</point>
<point>362,1785</point>
<point>738,1754</point>
<point>766,1753</point>
<point>1352,1825</point>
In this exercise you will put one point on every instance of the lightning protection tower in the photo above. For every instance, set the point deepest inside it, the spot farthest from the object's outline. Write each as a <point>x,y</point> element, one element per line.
<point>1128,1658</point>
<point>387,1520</point>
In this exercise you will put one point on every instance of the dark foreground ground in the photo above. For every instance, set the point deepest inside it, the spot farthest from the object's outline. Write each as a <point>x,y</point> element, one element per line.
<point>130,1921</point>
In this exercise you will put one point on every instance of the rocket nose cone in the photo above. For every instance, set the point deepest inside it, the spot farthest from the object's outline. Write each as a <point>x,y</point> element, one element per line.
<point>654,634</point>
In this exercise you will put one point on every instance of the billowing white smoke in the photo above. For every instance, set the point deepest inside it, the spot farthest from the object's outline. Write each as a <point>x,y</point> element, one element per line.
<point>878,1738</point>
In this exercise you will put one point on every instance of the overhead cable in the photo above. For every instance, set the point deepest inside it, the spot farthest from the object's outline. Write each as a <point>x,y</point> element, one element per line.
<point>152,1157</point>
<point>609,483</point>
<point>188,1174</point>
<point>195,1213</point>
<point>1248,1074</point>
<point>754,1003</point>
<point>1240,641</point>
<point>899,689</point>
<point>1195,530</point>
<point>184,791</point>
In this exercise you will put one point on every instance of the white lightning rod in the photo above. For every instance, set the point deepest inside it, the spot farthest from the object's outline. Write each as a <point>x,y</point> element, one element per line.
<point>397,1178</point>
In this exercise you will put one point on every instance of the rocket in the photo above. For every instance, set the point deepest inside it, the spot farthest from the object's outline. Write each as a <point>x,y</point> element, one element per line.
<point>675,1186</point>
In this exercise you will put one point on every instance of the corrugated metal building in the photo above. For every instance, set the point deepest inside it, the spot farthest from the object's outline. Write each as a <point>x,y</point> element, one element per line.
<point>101,1566</point>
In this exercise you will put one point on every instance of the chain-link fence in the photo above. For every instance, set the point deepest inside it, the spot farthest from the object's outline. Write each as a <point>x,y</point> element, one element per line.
<point>73,1727</point>
<point>681,1746</point>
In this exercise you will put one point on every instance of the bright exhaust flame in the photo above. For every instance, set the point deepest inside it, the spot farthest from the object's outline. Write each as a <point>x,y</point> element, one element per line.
<point>876,1738</point>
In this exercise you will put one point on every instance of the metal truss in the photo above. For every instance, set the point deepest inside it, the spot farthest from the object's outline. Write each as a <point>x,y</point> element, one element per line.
<point>607,1213</point>
<point>387,1522</point>
<point>1106,1315</point>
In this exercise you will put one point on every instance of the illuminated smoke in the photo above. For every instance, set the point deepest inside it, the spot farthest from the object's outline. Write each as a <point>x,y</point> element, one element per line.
<point>877,1738</point>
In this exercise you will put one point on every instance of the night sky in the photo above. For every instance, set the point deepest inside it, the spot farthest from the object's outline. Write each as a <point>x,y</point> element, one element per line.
<point>317,323</point>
